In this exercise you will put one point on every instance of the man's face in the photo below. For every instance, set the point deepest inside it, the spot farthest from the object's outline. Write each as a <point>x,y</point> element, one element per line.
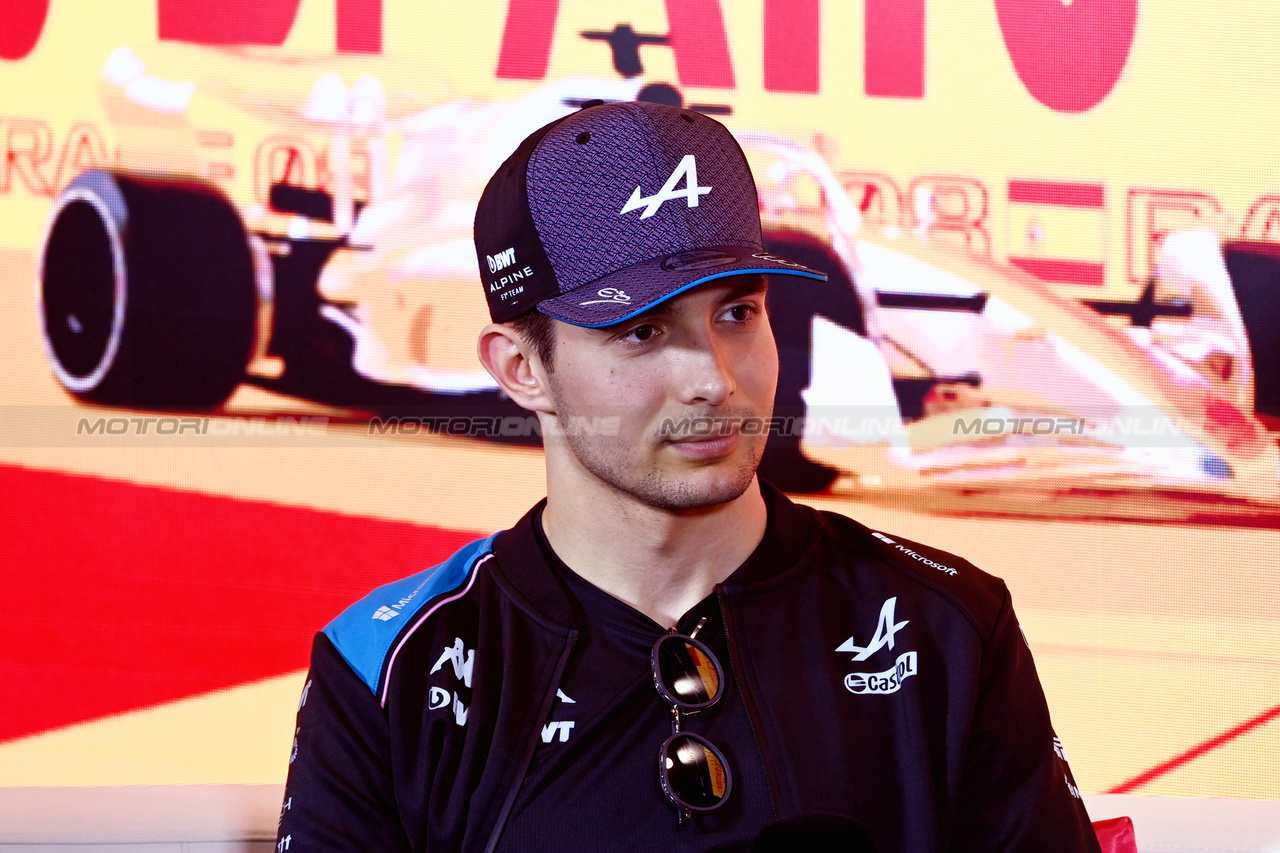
<point>689,386</point>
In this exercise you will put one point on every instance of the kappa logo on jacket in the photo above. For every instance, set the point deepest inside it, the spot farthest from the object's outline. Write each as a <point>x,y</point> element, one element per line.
<point>889,680</point>
<point>462,660</point>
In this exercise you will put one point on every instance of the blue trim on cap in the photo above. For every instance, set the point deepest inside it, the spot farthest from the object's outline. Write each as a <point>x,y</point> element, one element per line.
<point>689,286</point>
<point>364,640</point>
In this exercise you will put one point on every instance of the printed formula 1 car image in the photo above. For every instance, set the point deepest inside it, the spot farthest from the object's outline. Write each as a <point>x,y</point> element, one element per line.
<point>304,224</point>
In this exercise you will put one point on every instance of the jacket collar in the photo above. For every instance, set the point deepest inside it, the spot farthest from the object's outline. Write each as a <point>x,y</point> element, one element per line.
<point>785,540</point>
<point>524,571</point>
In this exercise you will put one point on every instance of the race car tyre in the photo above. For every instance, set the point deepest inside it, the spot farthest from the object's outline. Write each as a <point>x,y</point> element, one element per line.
<point>792,305</point>
<point>147,293</point>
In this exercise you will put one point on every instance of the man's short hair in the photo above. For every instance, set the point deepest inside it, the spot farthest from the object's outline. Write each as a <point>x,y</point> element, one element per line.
<point>539,331</point>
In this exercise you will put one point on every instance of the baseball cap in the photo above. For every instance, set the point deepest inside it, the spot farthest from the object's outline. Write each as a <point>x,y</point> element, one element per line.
<point>601,215</point>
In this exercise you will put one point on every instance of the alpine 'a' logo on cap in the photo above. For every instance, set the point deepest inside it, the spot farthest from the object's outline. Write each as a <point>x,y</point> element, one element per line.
<point>697,259</point>
<point>687,170</point>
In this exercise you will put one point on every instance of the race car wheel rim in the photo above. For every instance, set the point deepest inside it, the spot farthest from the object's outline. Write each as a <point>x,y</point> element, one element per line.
<point>83,291</point>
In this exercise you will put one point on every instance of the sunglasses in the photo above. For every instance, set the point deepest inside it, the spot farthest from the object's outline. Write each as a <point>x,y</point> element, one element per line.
<point>694,773</point>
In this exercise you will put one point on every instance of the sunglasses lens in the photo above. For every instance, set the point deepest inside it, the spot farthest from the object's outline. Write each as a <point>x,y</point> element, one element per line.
<point>687,672</point>
<point>694,774</point>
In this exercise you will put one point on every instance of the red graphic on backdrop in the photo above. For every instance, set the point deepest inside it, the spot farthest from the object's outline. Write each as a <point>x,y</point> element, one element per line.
<point>26,146</point>
<point>21,22</point>
<point>894,48</point>
<point>1068,56</point>
<point>1153,213</point>
<point>1061,194</point>
<point>228,22</point>
<point>700,44</point>
<point>1057,192</point>
<point>358,22</point>
<point>792,33</point>
<point>526,39</point>
<point>697,37</point>
<point>28,154</point>
<point>959,207</point>
<point>1262,222</point>
<point>119,596</point>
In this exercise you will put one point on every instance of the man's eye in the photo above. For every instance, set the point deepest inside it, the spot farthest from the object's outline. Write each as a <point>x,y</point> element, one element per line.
<point>642,333</point>
<point>742,313</point>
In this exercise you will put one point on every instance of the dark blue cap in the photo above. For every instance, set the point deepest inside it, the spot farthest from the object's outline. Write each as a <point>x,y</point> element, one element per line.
<point>603,214</point>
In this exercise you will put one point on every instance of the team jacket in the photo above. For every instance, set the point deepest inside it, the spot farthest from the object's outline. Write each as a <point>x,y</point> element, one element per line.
<point>886,681</point>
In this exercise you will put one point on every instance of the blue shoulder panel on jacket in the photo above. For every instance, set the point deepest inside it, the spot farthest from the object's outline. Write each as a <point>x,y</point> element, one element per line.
<point>363,634</point>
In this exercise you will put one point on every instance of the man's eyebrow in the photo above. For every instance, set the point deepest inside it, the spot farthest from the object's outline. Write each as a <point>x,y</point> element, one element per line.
<point>750,284</point>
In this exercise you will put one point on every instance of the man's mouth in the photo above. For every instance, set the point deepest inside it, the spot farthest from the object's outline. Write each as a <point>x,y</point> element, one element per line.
<point>715,439</point>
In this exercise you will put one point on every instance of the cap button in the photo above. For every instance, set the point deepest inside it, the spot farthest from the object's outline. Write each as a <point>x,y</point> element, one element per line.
<point>594,102</point>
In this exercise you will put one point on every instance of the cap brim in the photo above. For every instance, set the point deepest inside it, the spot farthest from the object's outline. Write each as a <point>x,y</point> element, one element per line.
<point>635,289</point>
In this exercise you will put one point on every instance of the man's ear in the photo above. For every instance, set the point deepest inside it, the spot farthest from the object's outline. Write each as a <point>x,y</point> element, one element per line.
<point>514,365</point>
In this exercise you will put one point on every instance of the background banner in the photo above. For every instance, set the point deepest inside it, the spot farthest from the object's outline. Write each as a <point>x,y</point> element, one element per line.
<point>240,304</point>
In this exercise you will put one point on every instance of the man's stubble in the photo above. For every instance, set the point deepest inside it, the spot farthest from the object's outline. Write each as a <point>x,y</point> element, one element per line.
<point>608,459</point>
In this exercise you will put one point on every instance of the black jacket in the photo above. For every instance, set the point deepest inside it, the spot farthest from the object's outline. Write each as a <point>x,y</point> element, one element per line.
<point>886,681</point>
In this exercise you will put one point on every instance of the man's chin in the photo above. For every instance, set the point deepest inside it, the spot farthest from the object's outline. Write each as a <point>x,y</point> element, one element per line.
<point>698,490</point>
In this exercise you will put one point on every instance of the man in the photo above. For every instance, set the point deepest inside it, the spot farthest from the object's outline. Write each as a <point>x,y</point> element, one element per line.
<point>665,654</point>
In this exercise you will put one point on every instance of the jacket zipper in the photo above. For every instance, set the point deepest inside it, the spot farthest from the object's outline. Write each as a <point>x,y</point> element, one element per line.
<point>518,780</point>
<point>746,706</point>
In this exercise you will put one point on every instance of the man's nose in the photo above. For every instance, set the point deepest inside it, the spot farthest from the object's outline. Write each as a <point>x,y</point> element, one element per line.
<point>707,371</point>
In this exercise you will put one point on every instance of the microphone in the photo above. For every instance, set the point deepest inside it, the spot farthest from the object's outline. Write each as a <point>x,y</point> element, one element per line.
<point>814,834</point>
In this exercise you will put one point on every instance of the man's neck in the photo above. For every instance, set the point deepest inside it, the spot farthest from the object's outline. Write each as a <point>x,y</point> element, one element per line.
<point>661,562</point>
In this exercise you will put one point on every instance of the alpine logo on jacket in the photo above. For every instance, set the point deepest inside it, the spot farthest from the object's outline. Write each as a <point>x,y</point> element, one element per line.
<point>891,679</point>
<point>886,628</point>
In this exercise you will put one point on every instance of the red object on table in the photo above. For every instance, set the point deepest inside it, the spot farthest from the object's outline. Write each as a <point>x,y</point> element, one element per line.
<point>1116,835</point>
